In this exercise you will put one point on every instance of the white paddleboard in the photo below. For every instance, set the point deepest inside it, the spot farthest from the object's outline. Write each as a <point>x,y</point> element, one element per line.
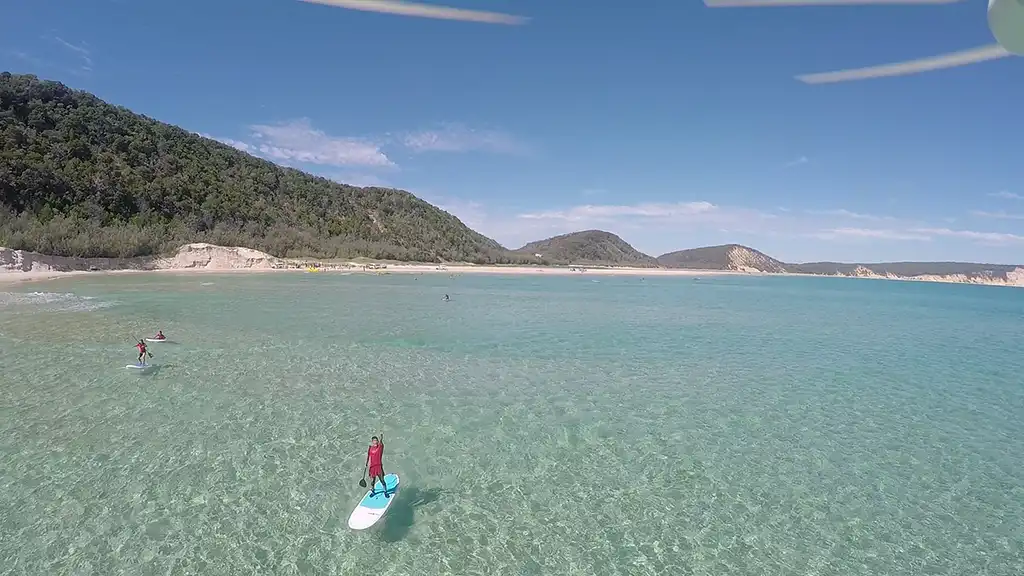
<point>156,340</point>
<point>372,508</point>
<point>139,366</point>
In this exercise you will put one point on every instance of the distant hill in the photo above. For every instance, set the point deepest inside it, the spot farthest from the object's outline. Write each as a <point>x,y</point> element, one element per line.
<point>83,178</point>
<point>967,272</point>
<point>903,269</point>
<point>591,247</point>
<point>726,257</point>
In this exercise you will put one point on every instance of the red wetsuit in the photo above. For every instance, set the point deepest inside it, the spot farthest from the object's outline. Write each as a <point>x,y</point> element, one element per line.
<point>376,467</point>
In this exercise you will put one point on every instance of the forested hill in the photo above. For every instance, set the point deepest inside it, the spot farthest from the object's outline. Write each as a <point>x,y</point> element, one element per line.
<point>81,177</point>
<point>591,247</point>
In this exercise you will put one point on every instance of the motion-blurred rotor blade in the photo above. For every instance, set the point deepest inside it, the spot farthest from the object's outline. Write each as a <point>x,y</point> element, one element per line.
<point>762,3</point>
<point>422,10</point>
<point>962,58</point>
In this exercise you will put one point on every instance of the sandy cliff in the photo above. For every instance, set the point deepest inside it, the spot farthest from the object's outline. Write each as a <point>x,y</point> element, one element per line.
<point>189,256</point>
<point>1012,278</point>
<point>211,257</point>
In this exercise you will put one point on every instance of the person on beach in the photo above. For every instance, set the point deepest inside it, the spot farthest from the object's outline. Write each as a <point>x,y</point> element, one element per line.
<point>374,463</point>
<point>142,351</point>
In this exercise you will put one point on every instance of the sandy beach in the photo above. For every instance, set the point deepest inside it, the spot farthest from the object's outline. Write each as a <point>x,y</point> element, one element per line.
<point>14,277</point>
<point>17,266</point>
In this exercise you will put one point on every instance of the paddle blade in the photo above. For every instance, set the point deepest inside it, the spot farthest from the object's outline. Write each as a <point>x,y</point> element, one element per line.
<point>962,58</point>
<point>775,3</point>
<point>423,11</point>
<point>362,483</point>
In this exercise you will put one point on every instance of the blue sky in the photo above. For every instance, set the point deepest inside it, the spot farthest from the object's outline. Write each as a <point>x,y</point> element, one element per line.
<point>668,123</point>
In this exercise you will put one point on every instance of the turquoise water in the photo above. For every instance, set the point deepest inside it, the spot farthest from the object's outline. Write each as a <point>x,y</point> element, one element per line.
<point>727,426</point>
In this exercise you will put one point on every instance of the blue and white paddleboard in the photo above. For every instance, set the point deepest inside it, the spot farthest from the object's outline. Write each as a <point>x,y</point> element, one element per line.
<point>372,508</point>
<point>139,366</point>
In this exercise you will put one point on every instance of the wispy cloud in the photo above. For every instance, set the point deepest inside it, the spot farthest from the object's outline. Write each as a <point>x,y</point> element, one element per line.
<point>238,144</point>
<point>417,10</point>
<point>990,238</point>
<point>81,51</point>
<point>664,226</point>
<point>460,138</point>
<point>604,213</point>
<point>357,179</point>
<point>297,141</point>
<point>869,234</point>
<point>26,57</point>
<point>921,234</point>
<point>844,213</point>
<point>797,162</point>
<point>1006,195</point>
<point>1001,215</point>
<point>664,219</point>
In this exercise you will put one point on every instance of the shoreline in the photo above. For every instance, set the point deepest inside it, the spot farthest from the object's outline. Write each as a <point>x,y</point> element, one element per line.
<point>17,266</point>
<point>18,277</point>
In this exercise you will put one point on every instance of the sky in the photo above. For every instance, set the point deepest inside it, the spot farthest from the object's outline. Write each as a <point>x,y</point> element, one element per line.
<point>668,123</point>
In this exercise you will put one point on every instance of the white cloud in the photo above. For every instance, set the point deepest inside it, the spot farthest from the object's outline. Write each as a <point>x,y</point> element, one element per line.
<point>590,213</point>
<point>797,162</point>
<point>1006,195</point>
<point>843,213</point>
<point>238,144</point>
<point>298,141</point>
<point>988,238</point>
<point>459,138</point>
<point>661,227</point>
<point>920,233</point>
<point>361,180</point>
<point>869,233</point>
<point>999,215</point>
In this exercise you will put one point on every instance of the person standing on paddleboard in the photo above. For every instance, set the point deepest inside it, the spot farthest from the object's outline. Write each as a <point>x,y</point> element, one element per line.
<point>142,352</point>
<point>374,463</point>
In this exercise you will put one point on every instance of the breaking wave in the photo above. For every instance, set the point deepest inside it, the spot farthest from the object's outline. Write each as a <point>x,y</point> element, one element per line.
<point>50,302</point>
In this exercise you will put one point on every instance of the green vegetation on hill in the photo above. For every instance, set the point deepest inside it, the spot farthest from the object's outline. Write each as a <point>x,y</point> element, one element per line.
<point>591,247</point>
<point>80,177</point>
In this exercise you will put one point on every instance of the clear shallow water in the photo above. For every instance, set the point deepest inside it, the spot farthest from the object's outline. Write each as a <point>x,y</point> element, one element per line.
<point>741,426</point>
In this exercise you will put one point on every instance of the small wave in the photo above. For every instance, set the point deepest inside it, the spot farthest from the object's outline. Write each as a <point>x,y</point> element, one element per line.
<point>52,301</point>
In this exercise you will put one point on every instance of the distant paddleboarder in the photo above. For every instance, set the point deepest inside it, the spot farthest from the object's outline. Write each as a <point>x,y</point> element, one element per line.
<point>446,298</point>
<point>374,463</point>
<point>143,352</point>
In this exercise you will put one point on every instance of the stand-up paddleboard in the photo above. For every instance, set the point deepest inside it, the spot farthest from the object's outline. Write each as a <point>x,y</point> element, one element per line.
<point>157,340</point>
<point>372,508</point>
<point>139,366</point>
